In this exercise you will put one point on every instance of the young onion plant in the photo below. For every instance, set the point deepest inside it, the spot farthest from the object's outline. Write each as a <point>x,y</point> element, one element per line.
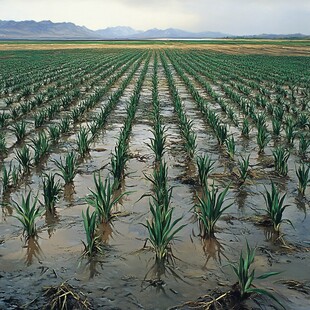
<point>162,230</point>
<point>3,149</point>
<point>243,168</point>
<point>162,192</point>
<point>68,167</point>
<point>39,119</point>
<point>19,129</point>
<point>83,141</point>
<point>3,119</point>
<point>304,144</point>
<point>221,133</point>
<point>118,163</point>
<point>54,133</point>
<point>276,127</point>
<point>92,245</point>
<point>10,177</point>
<point>40,146</point>
<point>64,125</point>
<point>24,158</point>
<point>275,207</point>
<point>103,199</point>
<point>231,147</point>
<point>190,143</point>
<point>51,191</point>
<point>205,167</point>
<point>27,213</point>
<point>245,128</point>
<point>262,138</point>
<point>246,276</point>
<point>303,175</point>
<point>157,144</point>
<point>6,177</point>
<point>281,156</point>
<point>290,130</point>
<point>210,208</point>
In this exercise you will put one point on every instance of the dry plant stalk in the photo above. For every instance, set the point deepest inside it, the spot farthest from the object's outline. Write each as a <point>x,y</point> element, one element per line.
<point>64,297</point>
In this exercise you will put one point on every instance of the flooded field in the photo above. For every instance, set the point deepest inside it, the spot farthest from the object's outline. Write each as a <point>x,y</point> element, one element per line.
<point>163,130</point>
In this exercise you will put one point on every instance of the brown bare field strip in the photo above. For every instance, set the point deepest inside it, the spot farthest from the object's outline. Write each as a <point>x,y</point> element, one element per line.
<point>256,48</point>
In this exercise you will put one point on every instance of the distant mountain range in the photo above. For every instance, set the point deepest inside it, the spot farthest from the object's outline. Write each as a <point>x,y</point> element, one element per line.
<point>119,32</point>
<point>47,30</point>
<point>275,36</point>
<point>43,30</point>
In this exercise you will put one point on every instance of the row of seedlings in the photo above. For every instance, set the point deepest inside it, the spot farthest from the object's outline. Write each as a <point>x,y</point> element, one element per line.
<point>161,228</point>
<point>105,195</point>
<point>23,156</point>
<point>275,203</point>
<point>221,131</point>
<point>76,76</point>
<point>28,211</point>
<point>276,110</point>
<point>185,125</point>
<point>210,208</point>
<point>64,103</point>
<point>280,153</point>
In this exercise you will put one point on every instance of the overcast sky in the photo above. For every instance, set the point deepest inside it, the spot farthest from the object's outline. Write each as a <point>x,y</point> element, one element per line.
<point>229,16</point>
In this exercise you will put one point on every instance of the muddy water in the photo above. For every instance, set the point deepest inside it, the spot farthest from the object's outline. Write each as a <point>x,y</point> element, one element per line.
<point>124,275</point>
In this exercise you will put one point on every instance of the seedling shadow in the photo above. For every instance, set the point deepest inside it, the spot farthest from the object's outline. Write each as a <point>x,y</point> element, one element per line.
<point>51,219</point>
<point>158,271</point>
<point>33,250</point>
<point>213,249</point>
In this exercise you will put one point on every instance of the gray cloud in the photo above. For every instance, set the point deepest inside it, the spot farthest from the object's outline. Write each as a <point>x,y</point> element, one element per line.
<point>235,17</point>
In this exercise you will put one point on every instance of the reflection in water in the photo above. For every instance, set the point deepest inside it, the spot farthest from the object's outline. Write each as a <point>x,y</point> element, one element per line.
<point>244,142</point>
<point>190,169</point>
<point>278,239</point>
<point>230,164</point>
<point>160,269</point>
<point>272,236</point>
<point>51,219</point>
<point>69,193</point>
<point>262,159</point>
<point>105,232</point>
<point>91,267</point>
<point>7,210</point>
<point>282,184</point>
<point>33,250</point>
<point>213,249</point>
<point>241,198</point>
<point>301,204</point>
<point>224,161</point>
<point>118,207</point>
<point>93,264</point>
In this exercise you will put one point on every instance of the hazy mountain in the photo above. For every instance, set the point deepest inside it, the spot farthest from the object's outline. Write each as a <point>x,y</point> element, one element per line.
<point>43,30</point>
<point>129,33</point>
<point>49,30</point>
<point>276,36</point>
<point>117,32</point>
<point>62,31</point>
<point>176,33</point>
